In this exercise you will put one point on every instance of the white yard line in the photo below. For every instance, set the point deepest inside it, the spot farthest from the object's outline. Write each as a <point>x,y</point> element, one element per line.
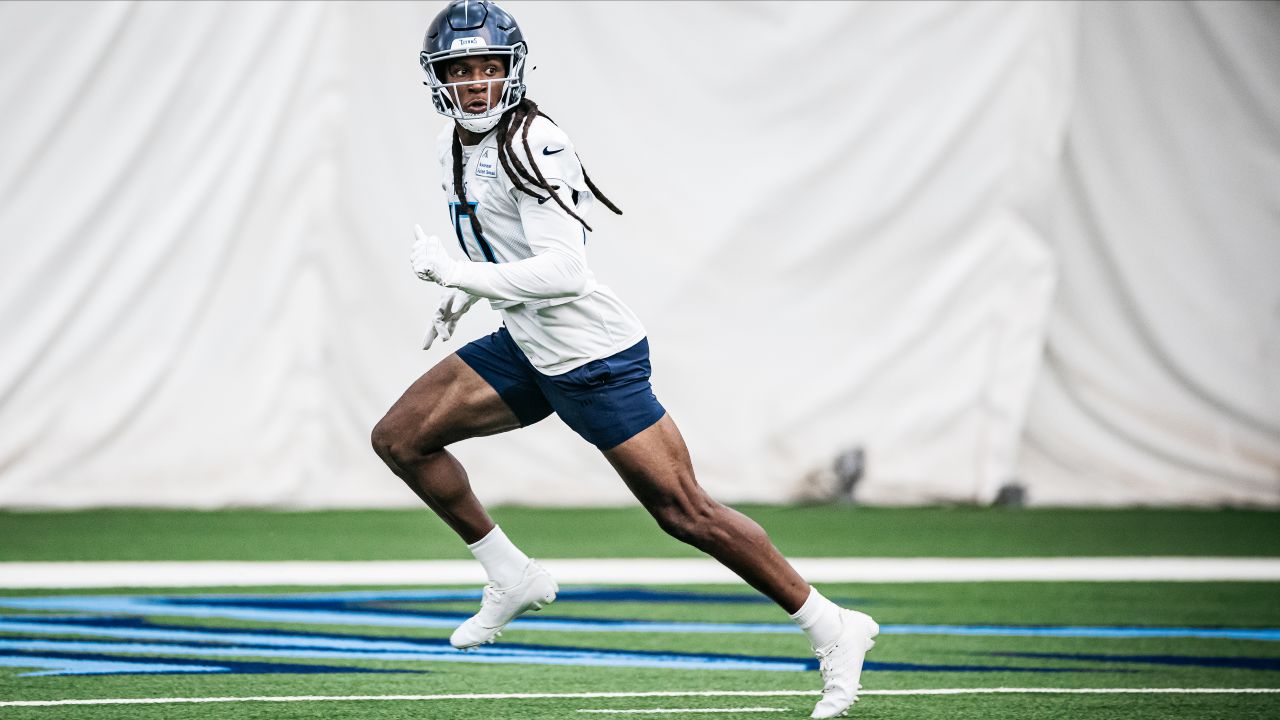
<point>664,694</point>
<point>630,571</point>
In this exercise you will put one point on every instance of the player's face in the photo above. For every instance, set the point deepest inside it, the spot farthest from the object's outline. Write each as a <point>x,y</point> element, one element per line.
<point>478,94</point>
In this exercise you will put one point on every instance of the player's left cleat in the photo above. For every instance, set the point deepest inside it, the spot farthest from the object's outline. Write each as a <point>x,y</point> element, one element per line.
<point>841,664</point>
<point>500,606</point>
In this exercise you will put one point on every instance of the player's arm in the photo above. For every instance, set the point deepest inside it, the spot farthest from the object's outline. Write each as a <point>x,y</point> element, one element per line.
<point>558,268</point>
<point>554,272</point>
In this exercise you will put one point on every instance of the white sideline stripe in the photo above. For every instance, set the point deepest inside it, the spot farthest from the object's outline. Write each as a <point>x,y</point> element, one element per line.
<point>666,711</point>
<point>690,693</point>
<point>630,571</point>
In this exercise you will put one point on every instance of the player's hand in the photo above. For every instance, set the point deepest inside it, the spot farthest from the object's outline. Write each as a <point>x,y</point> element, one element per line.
<point>429,260</point>
<point>453,305</point>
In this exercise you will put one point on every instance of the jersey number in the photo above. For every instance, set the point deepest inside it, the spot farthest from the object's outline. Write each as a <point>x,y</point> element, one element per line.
<point>461,219</point>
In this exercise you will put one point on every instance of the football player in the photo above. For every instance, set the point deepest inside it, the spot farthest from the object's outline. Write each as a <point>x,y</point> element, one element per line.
<point>519,199</point>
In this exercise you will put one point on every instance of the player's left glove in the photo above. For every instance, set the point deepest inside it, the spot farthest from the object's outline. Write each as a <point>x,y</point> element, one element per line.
<point>453,305</point>
<point>429,260</point>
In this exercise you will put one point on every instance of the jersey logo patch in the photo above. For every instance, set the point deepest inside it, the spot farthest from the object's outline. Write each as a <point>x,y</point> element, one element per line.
<point>487,163</point>
<point>546,150</point>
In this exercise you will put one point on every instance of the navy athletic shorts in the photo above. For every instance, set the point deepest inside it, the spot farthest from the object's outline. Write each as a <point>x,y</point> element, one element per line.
<point>607,401</point>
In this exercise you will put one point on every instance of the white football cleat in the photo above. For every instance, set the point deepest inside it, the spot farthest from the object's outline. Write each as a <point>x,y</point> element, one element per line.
<point>536,590</point>
<point>841,663</point>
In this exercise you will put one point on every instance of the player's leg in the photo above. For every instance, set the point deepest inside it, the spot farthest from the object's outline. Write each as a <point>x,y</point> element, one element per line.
<point>610,403</point>
<point>485,388</point>
<point>655,465</point>
<point>450,402</point>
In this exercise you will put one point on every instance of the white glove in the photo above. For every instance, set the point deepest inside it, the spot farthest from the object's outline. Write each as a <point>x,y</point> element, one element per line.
<point>453,305</point>
<point>429,260</point>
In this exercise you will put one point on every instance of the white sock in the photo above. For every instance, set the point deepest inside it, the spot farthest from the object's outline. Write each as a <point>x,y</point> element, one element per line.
<point>503,562</point>
<point>819,618</point>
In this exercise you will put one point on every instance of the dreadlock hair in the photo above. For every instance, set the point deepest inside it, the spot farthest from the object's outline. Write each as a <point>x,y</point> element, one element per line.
<point>518,119</point>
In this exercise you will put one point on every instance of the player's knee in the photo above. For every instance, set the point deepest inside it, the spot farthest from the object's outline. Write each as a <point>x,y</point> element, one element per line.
<point>400,447</point>
<point>690,522</point>
<point>384,439</point>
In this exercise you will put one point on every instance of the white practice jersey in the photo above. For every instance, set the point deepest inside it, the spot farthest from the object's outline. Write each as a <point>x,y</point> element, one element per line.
<point>530,260</point>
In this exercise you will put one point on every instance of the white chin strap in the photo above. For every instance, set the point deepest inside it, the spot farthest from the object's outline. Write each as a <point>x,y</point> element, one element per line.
<point>479,123</point>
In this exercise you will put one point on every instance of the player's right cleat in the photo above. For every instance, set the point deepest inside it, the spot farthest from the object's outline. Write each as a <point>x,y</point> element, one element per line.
<point>841,663</point>
<point>536,590</point>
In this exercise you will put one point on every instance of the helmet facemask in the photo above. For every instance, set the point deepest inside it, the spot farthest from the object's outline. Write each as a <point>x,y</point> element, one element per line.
<point>445,95</point>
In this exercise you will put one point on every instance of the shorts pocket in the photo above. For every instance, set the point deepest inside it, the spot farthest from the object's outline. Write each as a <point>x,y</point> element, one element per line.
<point>597,373</point>
<point>594,374</point>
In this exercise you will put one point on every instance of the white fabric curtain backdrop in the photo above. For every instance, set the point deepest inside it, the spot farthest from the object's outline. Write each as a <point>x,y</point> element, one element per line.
<point>983,241</point>
<point>1162,374</point>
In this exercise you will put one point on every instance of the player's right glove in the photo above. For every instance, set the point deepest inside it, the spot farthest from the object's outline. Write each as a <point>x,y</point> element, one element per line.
<point>429,260</point>
<point>453,305</point>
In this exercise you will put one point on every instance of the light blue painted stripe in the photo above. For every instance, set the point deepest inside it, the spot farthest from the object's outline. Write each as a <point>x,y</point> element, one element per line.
<point>158,606</point>
<point>1080,631</point>
<point>407,595</point>
<point>357,596</point>
<point>524,656</point>
<point>248,637</point>
<point>68,666</point>
<point>153,607</point>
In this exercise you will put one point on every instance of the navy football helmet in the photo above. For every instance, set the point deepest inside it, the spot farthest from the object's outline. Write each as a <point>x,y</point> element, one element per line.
<point>473,27</point>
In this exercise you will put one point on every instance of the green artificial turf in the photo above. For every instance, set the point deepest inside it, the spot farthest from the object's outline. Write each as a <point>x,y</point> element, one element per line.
<point>1098,662</point>
<point>1007,707</point>
<point>1077,665</point>
<point>813,531</point>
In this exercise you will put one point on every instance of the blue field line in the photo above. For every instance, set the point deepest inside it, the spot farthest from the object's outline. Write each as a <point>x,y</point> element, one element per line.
<point>222,642</point>
<point>1234,662</point>
<point>319,646</point>
<point>1084,631</point>
<point>333,609</point>
<point>55,665</point>
<point>342,596</point>
<point>161,607</point>
<point>230,636</point>
<point>578,594</point>
<point>441,654</point>
<point>73,663</point>
<point>176,641</point>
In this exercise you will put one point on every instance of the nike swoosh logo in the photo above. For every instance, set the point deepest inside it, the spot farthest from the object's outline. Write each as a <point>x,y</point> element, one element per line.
<point>549,151</point>
<point>542,200</point>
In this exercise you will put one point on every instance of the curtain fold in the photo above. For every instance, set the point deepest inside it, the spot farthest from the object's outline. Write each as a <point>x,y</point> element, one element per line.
<point>983,242</point>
